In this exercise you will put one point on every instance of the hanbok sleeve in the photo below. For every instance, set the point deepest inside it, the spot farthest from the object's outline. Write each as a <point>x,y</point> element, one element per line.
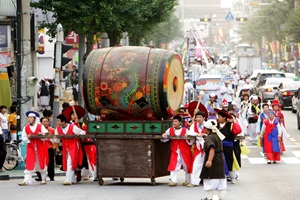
<point>55,140</point>
<point>191,132</point>
<point>25,139</point>
<point>78,131</point>
<point>262,132</point>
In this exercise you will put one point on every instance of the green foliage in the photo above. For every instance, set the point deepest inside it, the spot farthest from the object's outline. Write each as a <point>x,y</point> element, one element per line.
<point>293,26</point>
<point>269,21</point>
<point>89,17</point>
<point>165,32</point>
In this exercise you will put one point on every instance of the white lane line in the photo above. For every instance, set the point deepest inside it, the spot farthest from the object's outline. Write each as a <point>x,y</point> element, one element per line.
<point>255,161</point>
<point>296,153</point>
<point>290,160</point>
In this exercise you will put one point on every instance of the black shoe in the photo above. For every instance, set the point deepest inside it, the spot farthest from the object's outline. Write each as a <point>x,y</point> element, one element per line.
<point>78,176</point>
<point>38,179</point>
<point>51,179</point>
<point>96,179</point>
<point>269,162</point>
<point>274,162</point>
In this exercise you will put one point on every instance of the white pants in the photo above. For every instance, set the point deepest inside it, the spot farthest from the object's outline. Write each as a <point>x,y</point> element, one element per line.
<point>70,174</point>
<point>252,132</point>
<point>215,184</point>
<point>180,162</point>
<point>28,173</point>
<point>13,136</point>
<point>197,168</point>
<point>90,171</point>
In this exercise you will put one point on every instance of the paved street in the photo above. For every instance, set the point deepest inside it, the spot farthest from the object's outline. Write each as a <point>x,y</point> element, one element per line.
<point>257,181</point>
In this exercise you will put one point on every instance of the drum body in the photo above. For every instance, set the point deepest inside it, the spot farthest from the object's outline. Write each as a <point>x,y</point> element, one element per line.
<point>133,83</point>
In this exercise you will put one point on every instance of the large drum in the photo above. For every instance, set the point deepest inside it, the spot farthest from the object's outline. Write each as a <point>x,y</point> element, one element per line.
<point>133,83</point>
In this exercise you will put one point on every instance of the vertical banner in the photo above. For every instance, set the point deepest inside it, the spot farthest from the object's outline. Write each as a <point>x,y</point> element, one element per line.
<point>5,92</point>
<point>41,43</point>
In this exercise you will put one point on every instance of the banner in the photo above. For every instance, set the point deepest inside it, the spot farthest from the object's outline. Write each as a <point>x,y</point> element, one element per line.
<point>5,59</point>
<point>5,93</point>
<point>41,42</point>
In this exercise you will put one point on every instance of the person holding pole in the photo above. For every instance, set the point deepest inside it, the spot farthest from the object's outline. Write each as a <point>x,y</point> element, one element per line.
<point>36,152</point>
<point>181,155</point>
<point>70,147</point>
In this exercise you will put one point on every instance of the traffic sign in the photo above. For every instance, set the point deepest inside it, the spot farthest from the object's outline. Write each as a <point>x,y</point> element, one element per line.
<point>229,17</point>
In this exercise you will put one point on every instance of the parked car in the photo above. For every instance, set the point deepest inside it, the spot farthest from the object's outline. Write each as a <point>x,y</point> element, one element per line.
<point>266,90</point>
<point>289,75</point>
<point>298,108</point>
<point>263,75</point>
<point>285,92</point>
<point>255,72</point>
<point>294,102</point>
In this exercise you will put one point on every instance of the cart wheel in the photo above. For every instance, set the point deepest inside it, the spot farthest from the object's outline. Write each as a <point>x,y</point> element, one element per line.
<point>100,181</point>
<point>122,180</point>
<point>153,182</point>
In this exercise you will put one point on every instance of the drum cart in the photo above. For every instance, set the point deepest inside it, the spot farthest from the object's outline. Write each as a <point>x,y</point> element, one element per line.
<point>131,149</point>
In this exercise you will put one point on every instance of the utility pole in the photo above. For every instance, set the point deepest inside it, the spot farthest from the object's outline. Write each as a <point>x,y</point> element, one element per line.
<point>104,40</point>
<point>58,57</point>
<point>25,68</point>
<point>81,53</point>
<point>296,50</point>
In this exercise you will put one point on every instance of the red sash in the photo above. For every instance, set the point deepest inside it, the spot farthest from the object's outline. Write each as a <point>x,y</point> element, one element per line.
<point>41,149</point>
<point>184,150</point>
<point>195,149</point>
<point>73,146</point>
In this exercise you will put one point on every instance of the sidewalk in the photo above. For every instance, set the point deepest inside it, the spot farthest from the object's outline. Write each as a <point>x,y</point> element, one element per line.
<point>19,174</point>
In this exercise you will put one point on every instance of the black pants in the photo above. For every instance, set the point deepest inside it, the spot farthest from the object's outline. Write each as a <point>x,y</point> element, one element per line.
<point>50,169</point>
<point>2,152</point>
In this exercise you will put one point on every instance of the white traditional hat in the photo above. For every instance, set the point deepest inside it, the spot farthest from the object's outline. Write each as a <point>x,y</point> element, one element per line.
<point>212,125</point>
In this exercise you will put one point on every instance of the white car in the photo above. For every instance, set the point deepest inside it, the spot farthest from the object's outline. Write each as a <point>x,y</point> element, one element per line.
<point>290,75</point>
<point>266,91</point>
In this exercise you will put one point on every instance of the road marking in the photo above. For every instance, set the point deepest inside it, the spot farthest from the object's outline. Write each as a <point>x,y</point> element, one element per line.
<point>290,160</point>
<point>255,161</point>
<point>296,153</point>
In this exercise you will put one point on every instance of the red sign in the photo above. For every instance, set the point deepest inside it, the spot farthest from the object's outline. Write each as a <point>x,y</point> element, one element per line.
<point>73,39</point>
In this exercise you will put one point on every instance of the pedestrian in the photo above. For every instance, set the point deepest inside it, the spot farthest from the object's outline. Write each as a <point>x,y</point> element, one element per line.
<point>44,95</point>
<point>227,92</point>
<point>185,115</point>
<point>2,151</point>
<point>13,120</point>
<point>4,123</point>
<point>51,93</point>
<point>36,151</point>
<point>236,78</point>
<point>260,121</point>
<point>252,116</point>
<point>70,147</point>
<point>229,130</point>
<point>276,106</point>
<point>74,118</point>
<point>74,82</point>
<point>51,147</point>
<point>271,134</point>
<point>181,155</point>
<point>213,171</point>
<point>210,105</point>
<point>188,89</point>
<point>197,129</point>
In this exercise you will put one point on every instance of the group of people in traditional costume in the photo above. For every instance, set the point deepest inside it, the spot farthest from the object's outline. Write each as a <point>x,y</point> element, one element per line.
<point>77,154</point>
<point>213,156</point>
<point>209,156</point>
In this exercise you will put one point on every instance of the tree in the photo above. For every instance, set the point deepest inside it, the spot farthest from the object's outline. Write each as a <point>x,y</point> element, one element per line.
<point>165,32</point>
<point>269,21</point>
<point>293,26</point>
<point>112,16</point>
